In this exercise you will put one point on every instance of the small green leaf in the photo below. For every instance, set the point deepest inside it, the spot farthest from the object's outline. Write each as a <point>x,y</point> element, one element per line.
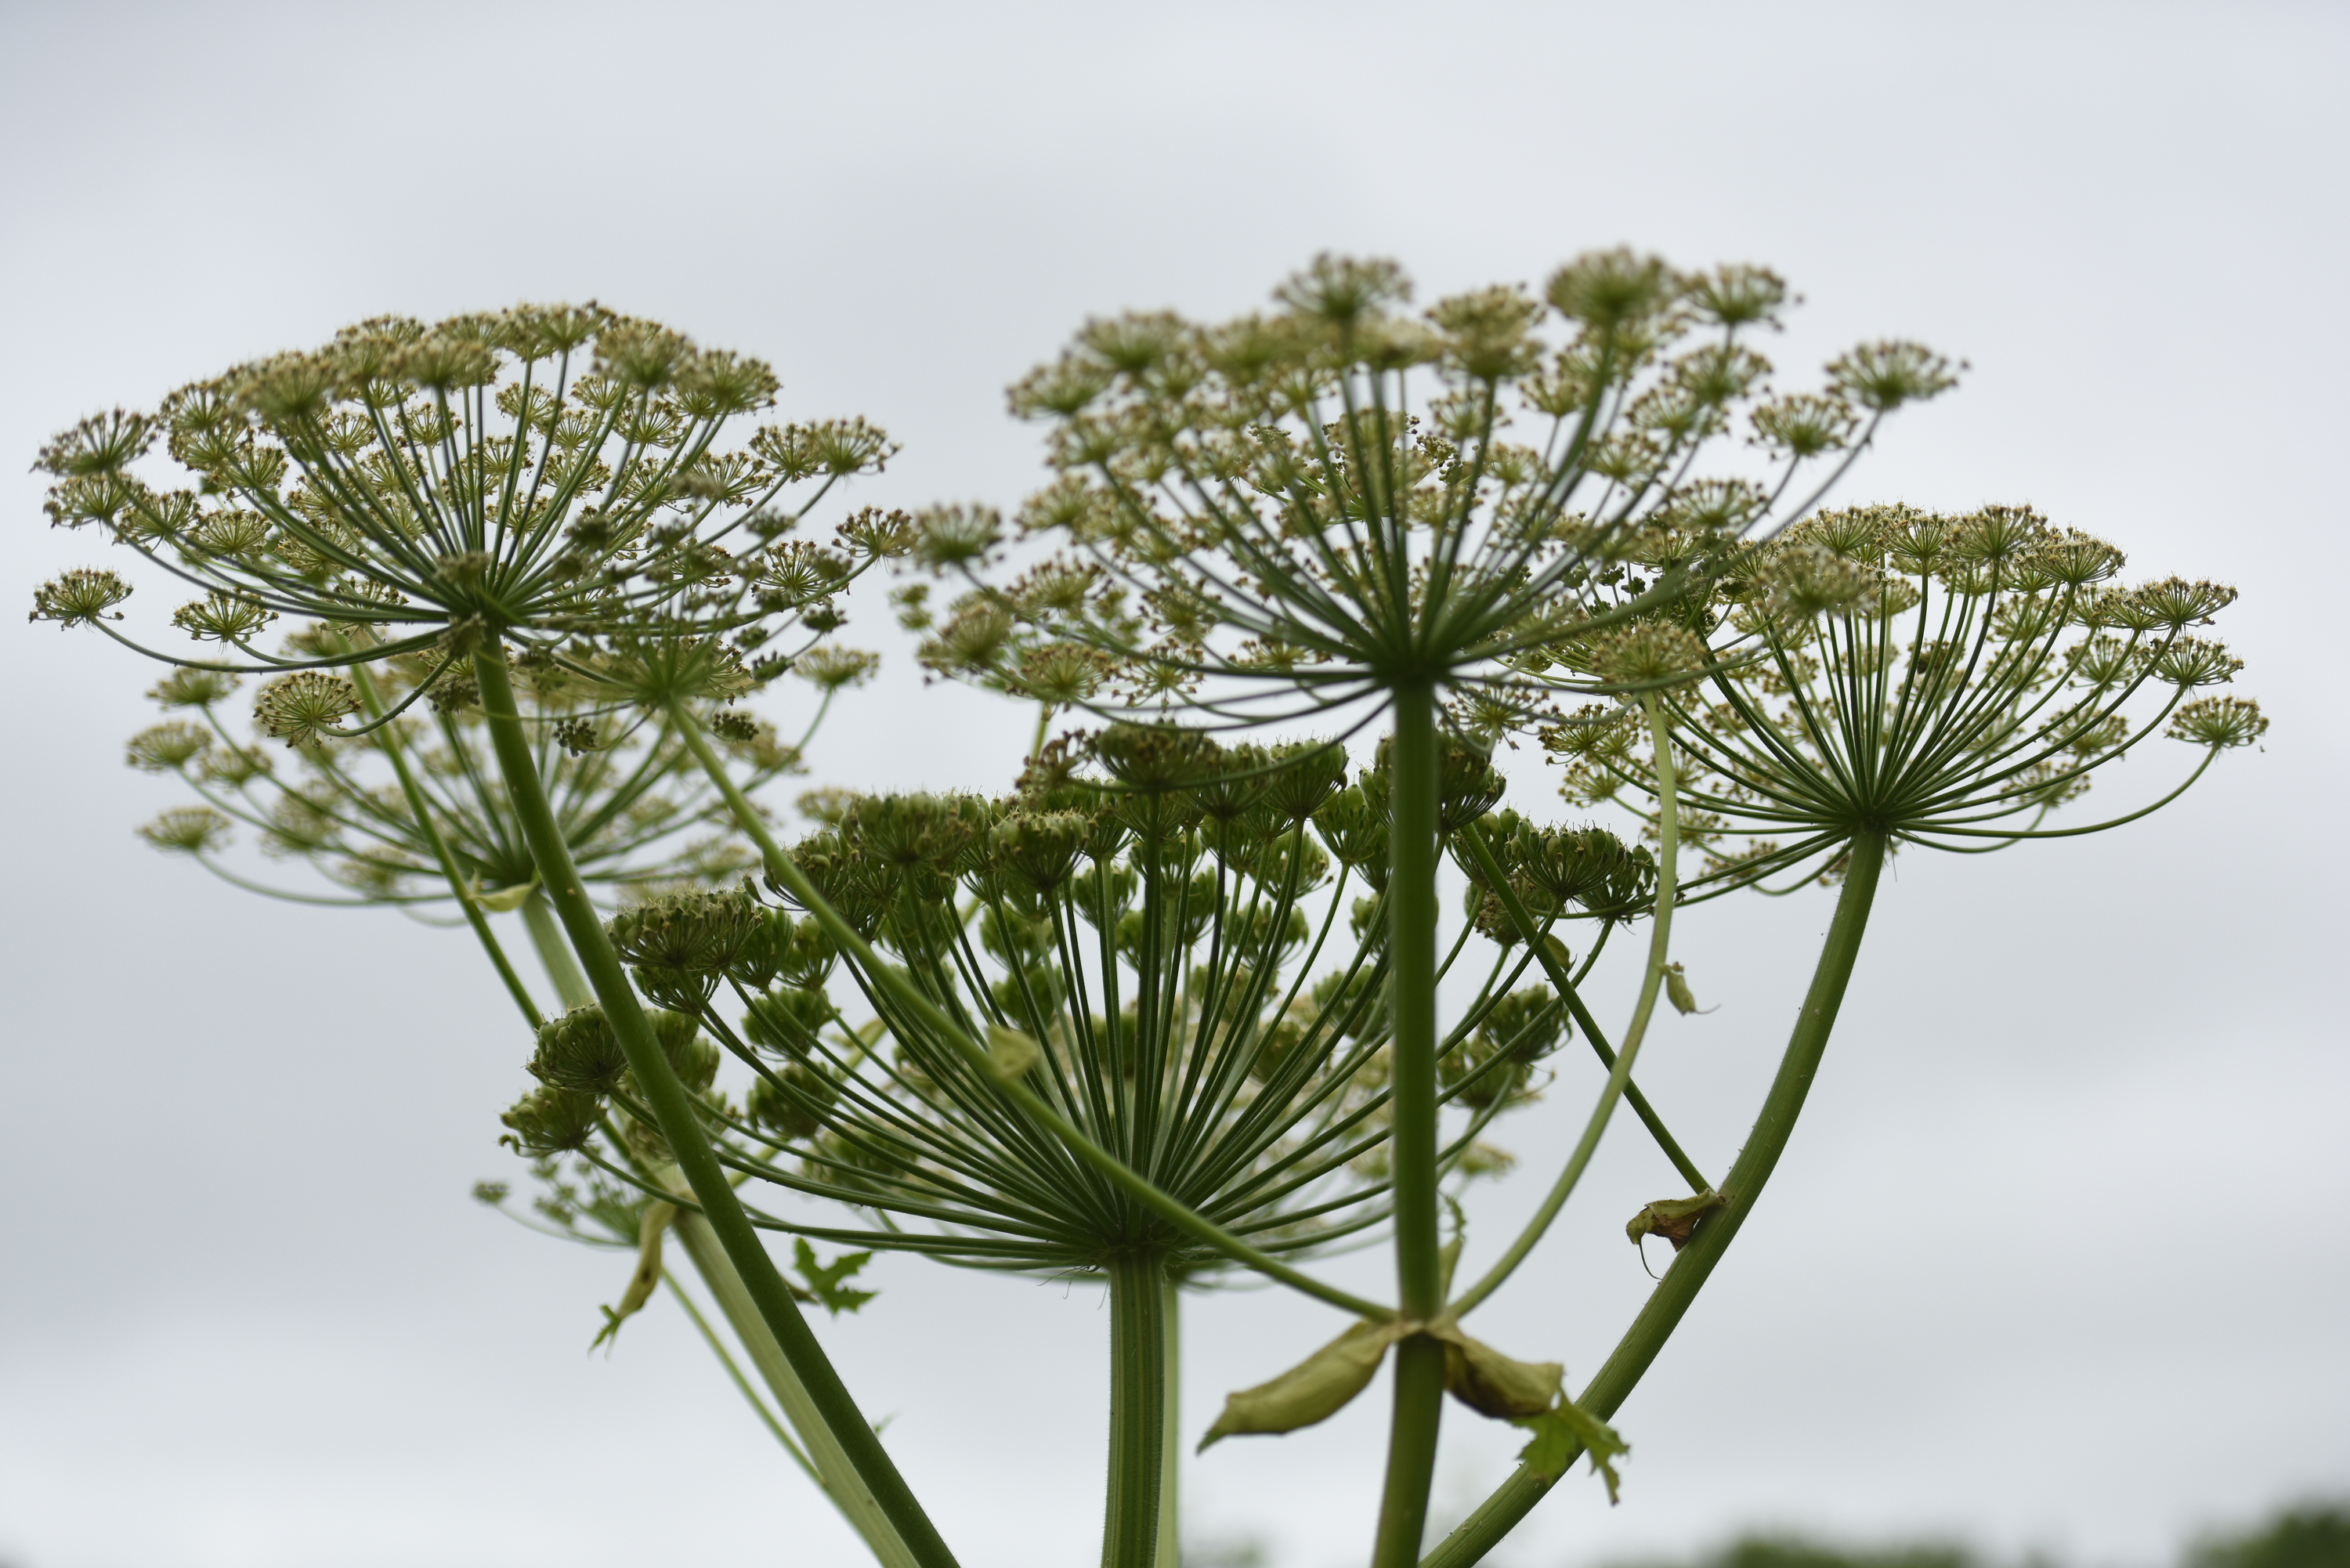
<point>1316,1389</point>
<point>505,900</point>
<point>1557,951</point>
<point>1011,1053</point>
<point>1566,1430</point>
<point>824,1278</point>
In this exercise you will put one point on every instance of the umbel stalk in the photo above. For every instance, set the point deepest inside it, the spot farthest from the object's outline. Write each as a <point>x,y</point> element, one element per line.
<point>1137,1409</point>
<point>1500,1514</point>
<point>674,1111</point>
<point>1411,911</point>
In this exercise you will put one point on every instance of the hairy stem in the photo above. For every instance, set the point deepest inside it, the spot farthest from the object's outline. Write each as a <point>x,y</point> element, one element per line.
<point>1420,1284</point>
<point>1137,1409</point>
<point>674,1111</point>
<point>1500,1514</point>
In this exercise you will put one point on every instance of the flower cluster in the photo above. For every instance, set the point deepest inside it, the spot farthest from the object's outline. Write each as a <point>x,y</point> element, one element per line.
<point>551,476</point>
<point>1169,949</point>
<point>1940,680</point>
<point>1287,512</point>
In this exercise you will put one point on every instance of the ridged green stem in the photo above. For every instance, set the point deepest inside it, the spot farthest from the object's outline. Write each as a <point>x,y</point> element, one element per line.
<point>1171,1442</point>
<point>1420,1282</point>
<point>1137,1409</point>
<point>673,1110</point>
<point>1500,1513</point>
<point>776,1428</point>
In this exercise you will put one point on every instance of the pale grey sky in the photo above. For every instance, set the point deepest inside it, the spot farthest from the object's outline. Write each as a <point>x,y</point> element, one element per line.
<point>2060,1255</point>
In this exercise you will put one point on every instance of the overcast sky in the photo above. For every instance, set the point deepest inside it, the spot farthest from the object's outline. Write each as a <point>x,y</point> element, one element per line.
<point>2061,1255</point>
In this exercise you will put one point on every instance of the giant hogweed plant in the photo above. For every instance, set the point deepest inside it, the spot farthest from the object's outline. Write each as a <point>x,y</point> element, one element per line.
<point>1255,522</point>
<point>1258,521</point>
<point>1870,678</point>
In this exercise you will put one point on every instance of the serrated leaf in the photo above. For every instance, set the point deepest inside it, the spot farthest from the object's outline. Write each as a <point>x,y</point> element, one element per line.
<point>1010,1053</point>
<point>1316,1389</point>
<point>824,1278</point>
<point>1568,1429</point>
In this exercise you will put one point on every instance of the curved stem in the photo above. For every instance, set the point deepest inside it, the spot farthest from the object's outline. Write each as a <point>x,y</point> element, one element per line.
<point>1411,924</point>
<point>1606,1392</point>
<point>1137,1409</point>
<point>674,1111</point>
<point>1620,1075</point>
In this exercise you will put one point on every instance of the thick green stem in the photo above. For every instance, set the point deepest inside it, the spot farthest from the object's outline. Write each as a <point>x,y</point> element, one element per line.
<point>1137,1409</point>
<point>673,1110</point>
<point>833,1471</point>
<point>1420,1280</point>
<point>776,1428</point>
<point>1500,1514</point>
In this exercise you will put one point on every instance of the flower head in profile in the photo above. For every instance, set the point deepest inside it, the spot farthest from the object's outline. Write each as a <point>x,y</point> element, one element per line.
<point>1288,511</point>
<point>560,478</point>
<point>1176,942</point>
<point>1942,680</point>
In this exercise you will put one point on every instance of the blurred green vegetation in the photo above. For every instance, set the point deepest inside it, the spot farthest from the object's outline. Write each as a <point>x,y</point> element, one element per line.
<point>2314,1535</point>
